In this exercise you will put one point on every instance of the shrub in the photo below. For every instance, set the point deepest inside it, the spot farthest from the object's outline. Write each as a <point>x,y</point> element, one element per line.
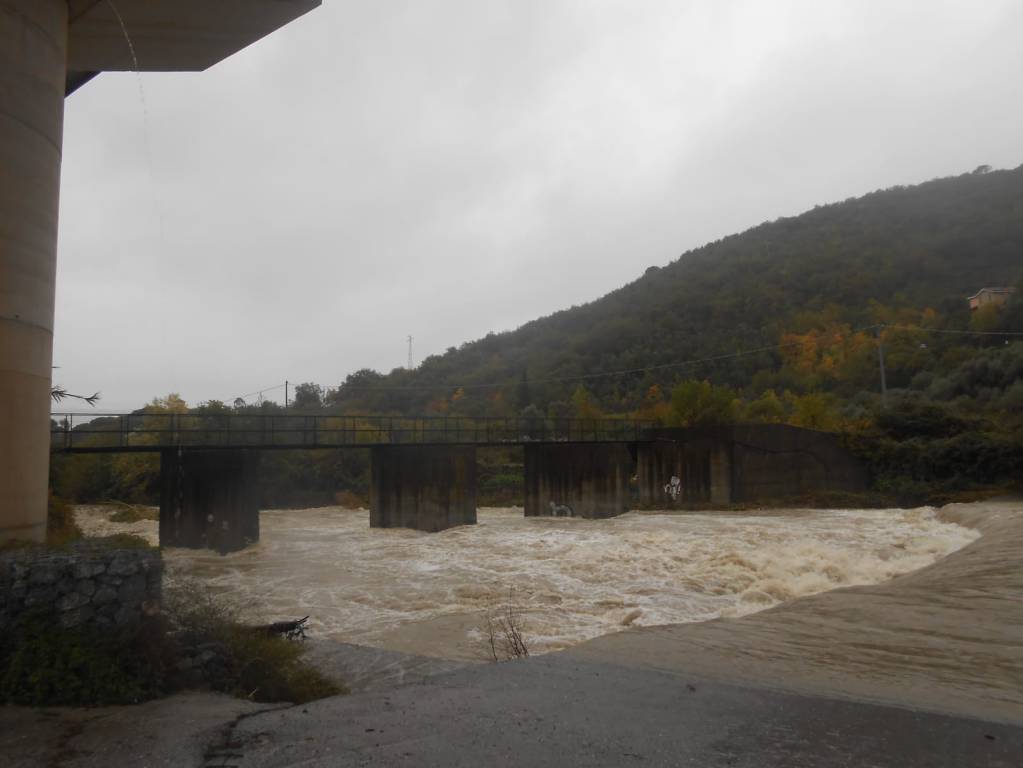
<point>47,665</point>
<point>505,633</point>
<point>60,522</point>
<point>350,500</point>
<point>261,666</point>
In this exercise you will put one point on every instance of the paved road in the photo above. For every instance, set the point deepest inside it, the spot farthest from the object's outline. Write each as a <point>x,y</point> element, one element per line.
<point>559,711</point>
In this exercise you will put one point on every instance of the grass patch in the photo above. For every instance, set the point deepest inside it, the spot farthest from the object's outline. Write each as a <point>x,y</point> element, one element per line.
<point>43,664</point>
<point>46,665</point>
<point>270,668</point>
<point>61,530</point>
<point>131,513</point>
<point>60,522</point>
<point>262,666</point>
<point>350,500</point>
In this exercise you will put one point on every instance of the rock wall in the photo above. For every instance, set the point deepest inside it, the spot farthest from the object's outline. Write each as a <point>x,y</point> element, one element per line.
<point>89,584</point>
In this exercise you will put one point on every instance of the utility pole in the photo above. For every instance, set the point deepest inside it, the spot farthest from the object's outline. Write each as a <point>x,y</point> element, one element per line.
<point>880,358</point>
<point>285,394</point>
<point>410,352</point>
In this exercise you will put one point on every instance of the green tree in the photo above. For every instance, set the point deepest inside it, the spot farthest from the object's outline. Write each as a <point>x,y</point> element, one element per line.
<point>697,403</point>
<point>583,404</point>
<point>766,409</point>
<point>523,397</point>
<point>815,410</point>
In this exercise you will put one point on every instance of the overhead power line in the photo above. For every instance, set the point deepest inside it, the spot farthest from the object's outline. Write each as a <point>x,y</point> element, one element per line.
<point>602,374</point>
<point>957,333</point>
<point>646,369</point>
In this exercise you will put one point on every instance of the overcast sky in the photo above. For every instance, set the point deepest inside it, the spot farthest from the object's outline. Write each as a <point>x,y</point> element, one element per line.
<point>446,169</point>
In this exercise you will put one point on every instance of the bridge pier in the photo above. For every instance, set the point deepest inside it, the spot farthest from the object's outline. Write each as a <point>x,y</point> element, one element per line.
<point>579,480</point>
<point>702,468</point>
<point>425,487</point>
<point>209,499</point>
<point>743,463</point>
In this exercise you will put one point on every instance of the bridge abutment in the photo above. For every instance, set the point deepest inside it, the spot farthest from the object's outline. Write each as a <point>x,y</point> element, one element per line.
<point>742,463</point>
<point>580,480</point>
<point>209,499</point>
<point>425,487</point>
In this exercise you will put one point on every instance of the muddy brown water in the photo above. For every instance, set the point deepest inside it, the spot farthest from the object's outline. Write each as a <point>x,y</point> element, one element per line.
<point>567,580</point>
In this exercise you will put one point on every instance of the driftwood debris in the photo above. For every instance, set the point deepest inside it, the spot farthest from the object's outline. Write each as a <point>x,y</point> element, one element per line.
<point>292,630</point>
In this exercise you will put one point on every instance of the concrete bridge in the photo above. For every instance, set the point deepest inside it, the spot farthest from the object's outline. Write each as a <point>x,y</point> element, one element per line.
<point>423,470</point>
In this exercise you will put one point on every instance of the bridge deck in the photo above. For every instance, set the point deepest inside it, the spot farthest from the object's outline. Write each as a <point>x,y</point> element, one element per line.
<point>140,432</point>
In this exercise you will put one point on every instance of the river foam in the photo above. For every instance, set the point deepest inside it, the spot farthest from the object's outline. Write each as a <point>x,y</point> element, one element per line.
<point>568,579</point>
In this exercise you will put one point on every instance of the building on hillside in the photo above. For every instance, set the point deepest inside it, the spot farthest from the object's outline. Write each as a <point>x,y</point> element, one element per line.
<point>986,296</point>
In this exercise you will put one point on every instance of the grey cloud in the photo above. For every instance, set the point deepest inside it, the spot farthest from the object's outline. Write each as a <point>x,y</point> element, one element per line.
<point>447,169</point>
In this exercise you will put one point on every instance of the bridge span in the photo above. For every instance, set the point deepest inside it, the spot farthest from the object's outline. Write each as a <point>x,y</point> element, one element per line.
<point>150,432</point>
<point>423,469</point>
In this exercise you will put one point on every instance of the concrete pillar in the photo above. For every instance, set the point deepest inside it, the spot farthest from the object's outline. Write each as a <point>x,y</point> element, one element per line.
<point>33,50</point>
<point>580,480</point>
<point>656,464</point>
<point>428,488</point>
<point>209,499</point>
<point>721,475</point>
<point>700,463</point>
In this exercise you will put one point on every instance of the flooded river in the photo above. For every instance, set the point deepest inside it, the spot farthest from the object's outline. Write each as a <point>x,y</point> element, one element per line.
<point>569,580</point>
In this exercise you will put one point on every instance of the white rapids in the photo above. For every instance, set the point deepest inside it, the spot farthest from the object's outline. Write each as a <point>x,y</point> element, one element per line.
<point>569,580</point>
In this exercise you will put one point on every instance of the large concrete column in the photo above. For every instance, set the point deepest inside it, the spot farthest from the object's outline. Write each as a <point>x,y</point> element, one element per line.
<point>209,499</point>
<point>579,480</point>
<point>33,51</point>
<point>685,469</point>
<point>425,487</point>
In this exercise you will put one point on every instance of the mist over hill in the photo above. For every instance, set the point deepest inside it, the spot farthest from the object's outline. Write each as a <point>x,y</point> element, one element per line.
<point>905,255</point>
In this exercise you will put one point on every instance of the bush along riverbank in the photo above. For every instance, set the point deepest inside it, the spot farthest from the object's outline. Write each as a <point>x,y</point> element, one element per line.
<point>90,623</point>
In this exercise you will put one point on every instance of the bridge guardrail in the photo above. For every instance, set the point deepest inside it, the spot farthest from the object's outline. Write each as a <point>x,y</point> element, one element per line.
<point>156,431</point>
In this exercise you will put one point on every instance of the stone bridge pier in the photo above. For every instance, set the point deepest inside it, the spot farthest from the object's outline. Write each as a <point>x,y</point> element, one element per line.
<point>577,480</point>
<point>425,487</point>
<point>209,499</point>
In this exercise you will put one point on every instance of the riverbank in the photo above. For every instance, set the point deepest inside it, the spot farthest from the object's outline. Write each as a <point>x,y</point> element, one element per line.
<point>946,638</point>
<point>923,670</point>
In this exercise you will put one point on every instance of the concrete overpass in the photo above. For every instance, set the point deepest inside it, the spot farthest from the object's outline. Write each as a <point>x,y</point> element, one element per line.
<point>423,469</point>
<point>48,48</point>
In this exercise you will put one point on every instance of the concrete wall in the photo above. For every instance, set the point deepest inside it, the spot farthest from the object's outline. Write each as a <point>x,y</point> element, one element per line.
<point>752,462</point>
<point>771,461</point>
<point>209,499</point>
<point>579,480</point>
<point>428,488</point>
<point>90,584</point>
<point>701,465</point>
<point>33,41</point>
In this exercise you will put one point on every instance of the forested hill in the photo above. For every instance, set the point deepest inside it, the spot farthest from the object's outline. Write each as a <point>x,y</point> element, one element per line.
<point>905,255</point>
<point>819,294</point>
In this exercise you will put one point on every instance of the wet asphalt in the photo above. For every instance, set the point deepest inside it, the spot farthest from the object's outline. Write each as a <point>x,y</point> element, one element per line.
<point>559,711</point>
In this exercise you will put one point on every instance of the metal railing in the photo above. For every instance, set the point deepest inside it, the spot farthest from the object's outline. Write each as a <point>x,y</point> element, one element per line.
<point>84,432</point>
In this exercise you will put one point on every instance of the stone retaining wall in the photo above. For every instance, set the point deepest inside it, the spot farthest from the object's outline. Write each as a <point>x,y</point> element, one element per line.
<point>91,583</point>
